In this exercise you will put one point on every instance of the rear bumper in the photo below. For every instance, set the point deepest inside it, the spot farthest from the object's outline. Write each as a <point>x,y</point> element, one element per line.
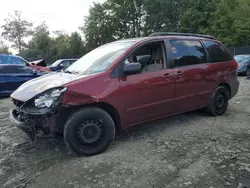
<point>242,70</point>
<point>234,90</point>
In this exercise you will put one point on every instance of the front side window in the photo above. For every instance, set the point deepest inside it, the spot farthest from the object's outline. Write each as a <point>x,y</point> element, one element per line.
<point>101,58</point>
<point>150,56</point>
<point>65,63</point>
<point>216,52</point>
<point>187,52</point>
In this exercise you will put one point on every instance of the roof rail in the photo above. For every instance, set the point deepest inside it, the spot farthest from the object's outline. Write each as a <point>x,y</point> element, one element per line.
<point>180,34</point>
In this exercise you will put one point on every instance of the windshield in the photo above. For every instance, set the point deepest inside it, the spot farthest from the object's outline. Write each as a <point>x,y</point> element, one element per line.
<point>99,59</point>
<point>241,58</point>
<point>55,63</point>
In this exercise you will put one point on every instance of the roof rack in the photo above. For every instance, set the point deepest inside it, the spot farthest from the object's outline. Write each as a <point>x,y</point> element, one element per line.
<point>180,34</point>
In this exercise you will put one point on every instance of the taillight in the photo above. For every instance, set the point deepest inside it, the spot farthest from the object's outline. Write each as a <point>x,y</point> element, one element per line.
<point>235,64</point>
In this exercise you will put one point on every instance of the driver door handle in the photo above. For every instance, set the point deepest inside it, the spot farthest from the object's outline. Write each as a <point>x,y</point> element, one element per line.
<point>168,75</point>
<point>179,73</point>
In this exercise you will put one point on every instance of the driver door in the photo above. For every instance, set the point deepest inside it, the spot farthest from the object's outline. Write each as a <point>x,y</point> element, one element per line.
<point>148,95</point>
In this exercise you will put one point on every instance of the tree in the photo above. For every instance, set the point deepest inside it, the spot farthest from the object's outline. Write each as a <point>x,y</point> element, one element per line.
<point>241,24</point>
<point>40,44</point>
<point>99,26</point>
<point>16,30</point>
<point>4,49</point>
<point>76,44</point>
<point>196,15</point>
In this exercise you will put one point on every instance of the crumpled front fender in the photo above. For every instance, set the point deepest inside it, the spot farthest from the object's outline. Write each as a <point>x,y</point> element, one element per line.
<point>74,98</point>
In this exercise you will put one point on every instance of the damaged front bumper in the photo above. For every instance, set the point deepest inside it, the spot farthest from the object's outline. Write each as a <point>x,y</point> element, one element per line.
<point>47,125</point>
<point>29,129</point>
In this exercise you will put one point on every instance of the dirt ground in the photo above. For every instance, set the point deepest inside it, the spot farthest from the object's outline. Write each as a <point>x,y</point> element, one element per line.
<point>189,150</point>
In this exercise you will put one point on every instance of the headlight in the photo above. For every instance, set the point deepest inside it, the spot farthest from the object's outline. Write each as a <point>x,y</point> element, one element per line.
<point>49,98</point>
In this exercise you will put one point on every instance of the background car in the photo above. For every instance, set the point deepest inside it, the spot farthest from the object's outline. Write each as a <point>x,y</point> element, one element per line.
<point>243,64</point>
<point>12,76</point>
<point>17,60</point>
<point>61,64</point>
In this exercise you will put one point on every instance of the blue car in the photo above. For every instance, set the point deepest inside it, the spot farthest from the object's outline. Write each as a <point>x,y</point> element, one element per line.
<point>243,64</point>
<point>12,76</point>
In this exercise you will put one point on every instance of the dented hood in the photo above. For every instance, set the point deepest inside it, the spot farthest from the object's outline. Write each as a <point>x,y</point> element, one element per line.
<point>38,85</point>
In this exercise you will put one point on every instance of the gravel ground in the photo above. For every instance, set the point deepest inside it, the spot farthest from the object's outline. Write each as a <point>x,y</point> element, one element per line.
<point>189,150</point>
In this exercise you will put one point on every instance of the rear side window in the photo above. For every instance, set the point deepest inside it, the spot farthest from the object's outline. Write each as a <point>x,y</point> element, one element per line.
<point>187,52</point>
<point>216,52</point>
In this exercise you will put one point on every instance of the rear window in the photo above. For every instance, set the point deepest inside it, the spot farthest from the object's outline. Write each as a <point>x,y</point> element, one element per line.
<point>216,52</point>
<point>11,60</point>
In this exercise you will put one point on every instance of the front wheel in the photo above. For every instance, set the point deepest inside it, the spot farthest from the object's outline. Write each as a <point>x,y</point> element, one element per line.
<point>89,131</point>
<point>219,101</point>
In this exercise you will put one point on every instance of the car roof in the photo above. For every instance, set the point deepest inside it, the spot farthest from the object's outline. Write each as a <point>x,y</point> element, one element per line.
<point>10,55</point>
<point>243,55</point>
<point>172,35</point>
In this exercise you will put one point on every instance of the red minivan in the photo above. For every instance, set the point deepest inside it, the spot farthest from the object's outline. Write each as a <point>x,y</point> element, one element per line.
<point>124,83</point>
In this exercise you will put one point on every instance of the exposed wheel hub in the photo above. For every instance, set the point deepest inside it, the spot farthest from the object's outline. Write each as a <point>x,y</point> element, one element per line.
<point>220,101</point>
<point>90,131</point>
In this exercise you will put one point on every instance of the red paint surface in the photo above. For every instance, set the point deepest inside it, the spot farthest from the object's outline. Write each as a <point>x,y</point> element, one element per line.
<point>149,96</point>
<point>40,68</point>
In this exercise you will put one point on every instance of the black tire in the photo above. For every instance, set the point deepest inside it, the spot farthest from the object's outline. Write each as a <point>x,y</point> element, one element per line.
<point>219,101</point>
<point>74,131</point>
<point>248,72</point>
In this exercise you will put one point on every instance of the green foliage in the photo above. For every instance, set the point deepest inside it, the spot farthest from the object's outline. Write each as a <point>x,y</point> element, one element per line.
<point>16,30</point>
<point>42,45</point>
<point>4,49</point>
<point>228,20</point>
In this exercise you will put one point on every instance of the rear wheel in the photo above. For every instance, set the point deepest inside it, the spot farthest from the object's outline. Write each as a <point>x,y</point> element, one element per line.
<point>219,101</point>
<point>89,131</point>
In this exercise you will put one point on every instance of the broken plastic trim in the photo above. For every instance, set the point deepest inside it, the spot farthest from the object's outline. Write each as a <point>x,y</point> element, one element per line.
<point>30,108</point>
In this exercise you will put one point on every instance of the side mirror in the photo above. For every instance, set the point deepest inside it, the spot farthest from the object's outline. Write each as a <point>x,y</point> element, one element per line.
<point>132,68</point>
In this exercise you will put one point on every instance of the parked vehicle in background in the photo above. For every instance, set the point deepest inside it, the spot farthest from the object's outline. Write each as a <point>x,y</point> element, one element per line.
<point>17,60</point>
<point>12,76</point>
<point>61,64</point>
<point>39,62</point>
<point>114,87</point>
<point>243,64</point>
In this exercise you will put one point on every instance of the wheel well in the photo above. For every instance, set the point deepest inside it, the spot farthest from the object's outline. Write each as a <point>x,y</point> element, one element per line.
<point>112,112</point>
<point>226,86</point>
<point>67,112</point>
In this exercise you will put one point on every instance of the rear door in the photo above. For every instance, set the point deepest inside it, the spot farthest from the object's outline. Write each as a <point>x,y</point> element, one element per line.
<point>221,67</point>
<point>189,61</point>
